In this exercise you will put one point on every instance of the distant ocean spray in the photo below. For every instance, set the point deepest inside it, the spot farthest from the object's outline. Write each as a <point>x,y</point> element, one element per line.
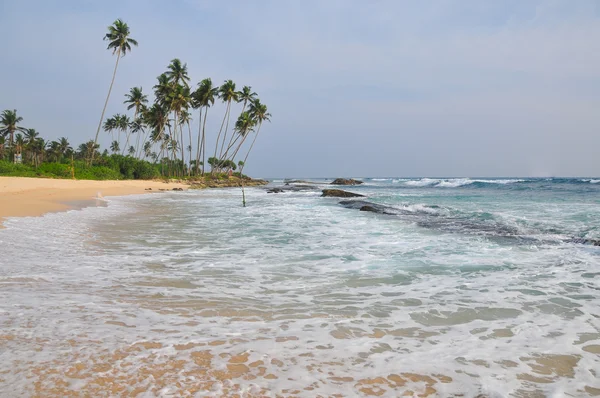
<point>472,286</point>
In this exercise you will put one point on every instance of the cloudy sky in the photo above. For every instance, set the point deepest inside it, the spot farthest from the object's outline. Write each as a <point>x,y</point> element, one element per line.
<point>355,87</point>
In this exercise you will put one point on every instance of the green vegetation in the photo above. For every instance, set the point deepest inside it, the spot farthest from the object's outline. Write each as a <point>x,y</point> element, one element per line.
<point>150,142</point>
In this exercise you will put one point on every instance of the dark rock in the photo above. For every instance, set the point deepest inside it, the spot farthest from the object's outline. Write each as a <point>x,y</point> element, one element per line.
<point>369,208</point>
<point>363,205</point>
<point>177,189</point>
<point>338,193</point>
<point>276,190</point>
<point>148,189</point>
<point>346,181</point>
<point>584,241</point>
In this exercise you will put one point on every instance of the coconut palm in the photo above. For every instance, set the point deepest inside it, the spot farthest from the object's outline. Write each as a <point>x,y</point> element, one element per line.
<point>177,73</point>
<point>63,148</point>
<point>122,125</point>
<point>120,43</point>
<point>203,97</point>
<point>136,99</point>
<point>179,100</point>
<point>110,125</point>
<point>227,94</point>
<point>162,88</point>
<point>245,96</point>
<point>30,136</point>
<point>8,126</point>
<point>114,147</point>
<point>186,118</point>
<point>258,113</point>
<point>136,126</point>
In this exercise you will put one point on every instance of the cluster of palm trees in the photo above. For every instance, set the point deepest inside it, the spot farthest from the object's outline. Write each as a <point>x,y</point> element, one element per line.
<point>161,131</point>
<point>28,143</point>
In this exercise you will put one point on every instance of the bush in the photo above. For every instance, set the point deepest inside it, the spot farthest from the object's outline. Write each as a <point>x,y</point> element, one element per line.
<point>55,170</point>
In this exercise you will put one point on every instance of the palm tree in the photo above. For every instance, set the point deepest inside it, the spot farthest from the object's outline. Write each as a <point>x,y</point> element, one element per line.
<point>177,73</point>
<point>122,124</point>
<point>114,147</point>
<point>137,127</point>
<point>179,100</point>
<point>8,126</point>
<point>136,99</point>
<point>259,114</point>
<point>203,97</point>
<point>227,94</point>
<point>162,88</point>
<point>245,96</point>
<point>30,138</point>
<point>186,118</point>
<point>37,148</point>
<point>120,42</point>
<point>110,125</point>
<point>63,147</point>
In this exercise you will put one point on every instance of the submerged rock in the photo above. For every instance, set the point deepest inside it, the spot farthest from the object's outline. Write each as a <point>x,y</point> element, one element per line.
<point>346,181</point>
<point>338,193</point>
<point>369,208</point>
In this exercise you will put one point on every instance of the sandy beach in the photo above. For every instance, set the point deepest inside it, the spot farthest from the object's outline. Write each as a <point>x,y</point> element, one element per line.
<point>22,196</point>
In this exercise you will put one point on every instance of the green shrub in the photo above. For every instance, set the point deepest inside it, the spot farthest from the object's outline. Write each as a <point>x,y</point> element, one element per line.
<point>55,170</point>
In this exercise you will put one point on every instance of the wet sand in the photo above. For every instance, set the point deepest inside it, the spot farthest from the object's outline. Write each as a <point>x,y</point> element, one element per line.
<point>24,197</point>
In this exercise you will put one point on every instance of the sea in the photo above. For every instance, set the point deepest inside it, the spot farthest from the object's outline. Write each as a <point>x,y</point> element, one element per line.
<point>455,287</point>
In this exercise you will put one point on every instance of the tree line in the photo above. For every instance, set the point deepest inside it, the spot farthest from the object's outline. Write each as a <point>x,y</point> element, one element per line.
<point>157,131</point>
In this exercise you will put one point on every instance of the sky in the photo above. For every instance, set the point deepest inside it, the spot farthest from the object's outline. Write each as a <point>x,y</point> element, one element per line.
<point>355,87</point>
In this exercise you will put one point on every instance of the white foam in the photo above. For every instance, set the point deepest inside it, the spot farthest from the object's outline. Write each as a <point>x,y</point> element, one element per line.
<point>199,268</point>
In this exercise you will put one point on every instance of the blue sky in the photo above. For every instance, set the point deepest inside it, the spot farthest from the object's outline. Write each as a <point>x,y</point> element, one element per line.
<point>356,88</point>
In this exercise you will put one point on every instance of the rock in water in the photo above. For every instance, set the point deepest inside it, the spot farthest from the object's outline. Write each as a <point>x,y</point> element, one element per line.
<point>338,193</point>
<point>275,190</point>
<point>346,181</point>
<point>369,208</point>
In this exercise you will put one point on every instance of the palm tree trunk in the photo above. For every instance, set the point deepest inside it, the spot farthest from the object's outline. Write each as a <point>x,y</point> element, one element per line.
<point>244,165</point>
<point>219,135</point>
<point>226,127</point>
<point>204,142</point>
<point>105,103</point>
<point>199,145</point>
<point>190,148</point>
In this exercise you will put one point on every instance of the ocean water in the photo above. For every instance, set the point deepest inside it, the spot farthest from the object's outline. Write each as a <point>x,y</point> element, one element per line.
<point>464,288</point>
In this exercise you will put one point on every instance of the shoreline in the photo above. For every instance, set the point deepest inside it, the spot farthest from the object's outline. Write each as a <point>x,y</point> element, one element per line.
<point>34,197</point>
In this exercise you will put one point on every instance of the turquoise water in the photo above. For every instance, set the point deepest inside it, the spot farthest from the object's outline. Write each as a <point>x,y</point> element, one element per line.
<point>466,286</point>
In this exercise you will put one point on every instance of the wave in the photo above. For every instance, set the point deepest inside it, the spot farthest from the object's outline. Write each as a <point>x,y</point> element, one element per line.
<point>457,182</point>
<point>591,181</point>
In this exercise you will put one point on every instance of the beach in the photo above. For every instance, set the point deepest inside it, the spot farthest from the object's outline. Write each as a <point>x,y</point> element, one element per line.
<point>24,197</point>
<point>462,287</point>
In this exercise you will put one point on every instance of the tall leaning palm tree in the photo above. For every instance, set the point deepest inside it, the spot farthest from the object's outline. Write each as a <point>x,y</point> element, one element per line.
<point>244,96</point>
<point>120,42</point>
<point>203,97</point>
<point>137,100</point>
<point>227,94</point>
<point>258,112</point>
<point>8,126</point>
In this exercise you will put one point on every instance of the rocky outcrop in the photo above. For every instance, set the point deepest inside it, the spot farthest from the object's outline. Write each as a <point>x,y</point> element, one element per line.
<point>275,190</point>
<point>346,181</point>
<point>338,193</point>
